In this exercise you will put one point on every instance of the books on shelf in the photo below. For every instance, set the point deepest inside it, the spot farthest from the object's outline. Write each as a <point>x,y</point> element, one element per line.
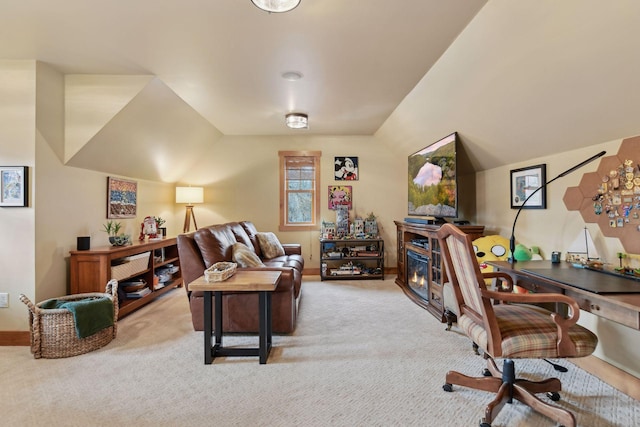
<point>139,293</point>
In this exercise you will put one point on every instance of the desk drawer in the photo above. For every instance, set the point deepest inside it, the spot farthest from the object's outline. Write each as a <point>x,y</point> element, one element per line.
<point>600,307</point>
<point>537,287</point>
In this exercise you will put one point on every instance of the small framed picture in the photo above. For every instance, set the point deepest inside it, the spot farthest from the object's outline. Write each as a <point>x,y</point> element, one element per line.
<point>14,186</point>
<point>527,187</point>
<point>340,195</point>
<point>122,198</point>
<point>346,168</point>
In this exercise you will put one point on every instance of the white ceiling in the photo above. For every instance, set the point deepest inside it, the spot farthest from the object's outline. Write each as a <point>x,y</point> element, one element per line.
<point>540,75</point>
<point>225,58</point>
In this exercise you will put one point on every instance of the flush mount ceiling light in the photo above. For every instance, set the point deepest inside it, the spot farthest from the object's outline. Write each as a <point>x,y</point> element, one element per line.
<point>276,6</point>
<point>297,120</point>
<point>292,76</point>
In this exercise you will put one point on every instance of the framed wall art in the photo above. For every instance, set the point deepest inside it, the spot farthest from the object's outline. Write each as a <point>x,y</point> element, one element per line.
<point>340,195</point>
<point>524,183</point>
<point>346,168</point>
<point>122,198</point>
<point>14,186</point>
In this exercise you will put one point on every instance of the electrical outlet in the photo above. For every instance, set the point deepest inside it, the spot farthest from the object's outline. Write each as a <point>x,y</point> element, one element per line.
<point>4,300</point>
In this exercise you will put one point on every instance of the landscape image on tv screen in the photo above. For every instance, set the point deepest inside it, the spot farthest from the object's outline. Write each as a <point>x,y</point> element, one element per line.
<point>432,180</point>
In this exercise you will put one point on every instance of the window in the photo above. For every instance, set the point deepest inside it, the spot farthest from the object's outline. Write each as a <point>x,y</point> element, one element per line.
<point>299,190</point>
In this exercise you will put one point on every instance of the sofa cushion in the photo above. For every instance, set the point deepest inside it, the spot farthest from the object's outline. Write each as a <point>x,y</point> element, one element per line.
<point>245,257</point>
<point>215,243</point>
<point>240,234</point>
<point>251,231</point>
<point>270,245</point>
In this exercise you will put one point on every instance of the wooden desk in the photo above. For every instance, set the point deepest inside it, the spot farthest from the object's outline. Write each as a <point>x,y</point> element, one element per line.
<point>623,308</point>
<point>263,282</point>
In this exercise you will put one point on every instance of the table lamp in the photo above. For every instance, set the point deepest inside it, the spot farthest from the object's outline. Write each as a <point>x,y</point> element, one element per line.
<point>189,195</point>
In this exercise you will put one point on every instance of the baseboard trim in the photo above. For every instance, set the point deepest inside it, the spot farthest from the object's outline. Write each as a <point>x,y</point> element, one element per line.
<point>316,271</point>
<point>17,338</point>
<point>612,375</point>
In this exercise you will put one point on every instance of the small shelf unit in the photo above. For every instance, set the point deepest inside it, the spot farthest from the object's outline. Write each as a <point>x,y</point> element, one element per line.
<point>344,259</point>
<point>90,270</point>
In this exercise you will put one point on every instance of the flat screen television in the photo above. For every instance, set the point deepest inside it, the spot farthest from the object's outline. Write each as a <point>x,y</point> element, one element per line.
<point>435,176</point>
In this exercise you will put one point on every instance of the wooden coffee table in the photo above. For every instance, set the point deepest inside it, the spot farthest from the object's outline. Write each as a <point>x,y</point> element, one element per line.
<point>263,282</point>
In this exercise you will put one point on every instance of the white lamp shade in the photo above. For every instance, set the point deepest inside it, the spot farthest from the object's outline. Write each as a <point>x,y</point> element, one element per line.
<point>189,195</point>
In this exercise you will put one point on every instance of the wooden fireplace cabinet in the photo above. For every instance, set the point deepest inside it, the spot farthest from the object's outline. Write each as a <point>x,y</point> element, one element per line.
<point>421,239</point>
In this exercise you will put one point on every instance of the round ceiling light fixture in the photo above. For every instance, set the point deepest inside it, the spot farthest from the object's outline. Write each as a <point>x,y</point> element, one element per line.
<point>276,6</point>
<point>292,76</point>
<point>297,121</point>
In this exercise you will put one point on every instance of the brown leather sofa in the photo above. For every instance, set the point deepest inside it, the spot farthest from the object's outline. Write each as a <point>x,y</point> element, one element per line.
<point>206,246</point>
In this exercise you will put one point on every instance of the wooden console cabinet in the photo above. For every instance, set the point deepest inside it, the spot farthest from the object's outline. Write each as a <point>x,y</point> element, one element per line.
<point>91,270</point>
<point>419,241</point>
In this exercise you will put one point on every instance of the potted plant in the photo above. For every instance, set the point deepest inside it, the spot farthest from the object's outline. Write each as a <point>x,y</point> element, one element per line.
<point>112,228</point>
<point>159,223</point>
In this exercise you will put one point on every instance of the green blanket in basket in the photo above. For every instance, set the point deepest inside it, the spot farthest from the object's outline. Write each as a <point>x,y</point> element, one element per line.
<point>90,315</point>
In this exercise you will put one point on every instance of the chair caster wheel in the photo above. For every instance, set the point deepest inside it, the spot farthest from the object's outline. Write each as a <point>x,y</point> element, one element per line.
<point>486,372</point>
<point>447,387</point>
<point>553,396</point>
<point>485,424</point>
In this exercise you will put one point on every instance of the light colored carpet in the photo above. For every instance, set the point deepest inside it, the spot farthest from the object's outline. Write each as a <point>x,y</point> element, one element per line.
<point>362,355</point>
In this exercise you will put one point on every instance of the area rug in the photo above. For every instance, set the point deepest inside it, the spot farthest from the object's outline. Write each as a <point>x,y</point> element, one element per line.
<point>362,355</point>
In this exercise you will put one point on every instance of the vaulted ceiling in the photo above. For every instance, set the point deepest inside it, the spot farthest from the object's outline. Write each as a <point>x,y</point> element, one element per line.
<point>542,74</point>
<point>225,58</point>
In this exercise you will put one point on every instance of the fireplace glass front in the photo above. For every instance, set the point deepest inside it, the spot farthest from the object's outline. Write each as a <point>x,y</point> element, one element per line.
<point>418,273</point>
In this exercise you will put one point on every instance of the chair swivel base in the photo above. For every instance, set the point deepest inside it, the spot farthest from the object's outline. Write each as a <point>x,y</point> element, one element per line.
<point>507,387</point>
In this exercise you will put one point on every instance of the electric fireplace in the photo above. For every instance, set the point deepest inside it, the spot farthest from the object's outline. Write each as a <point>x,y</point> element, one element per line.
<point>418,273</point>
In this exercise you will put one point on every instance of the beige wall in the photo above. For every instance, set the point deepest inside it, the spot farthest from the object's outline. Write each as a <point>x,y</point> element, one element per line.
<point>241,180</point>
<point>17,142</point>
<point>65,202</point>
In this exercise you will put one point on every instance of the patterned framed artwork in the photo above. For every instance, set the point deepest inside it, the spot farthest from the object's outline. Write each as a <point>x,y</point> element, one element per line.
<point>122,198</point>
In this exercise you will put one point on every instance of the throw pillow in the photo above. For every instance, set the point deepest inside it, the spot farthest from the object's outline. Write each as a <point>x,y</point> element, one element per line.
<point>269,245</point>
<point>245,257</point>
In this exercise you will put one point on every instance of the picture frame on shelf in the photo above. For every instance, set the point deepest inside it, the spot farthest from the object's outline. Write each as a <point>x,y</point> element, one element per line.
<point>524,182</point>
<point>122,198</point>
<point>14,186</point>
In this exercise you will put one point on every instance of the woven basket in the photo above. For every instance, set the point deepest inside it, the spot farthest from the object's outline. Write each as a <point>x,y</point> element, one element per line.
<point>220,271</point>
<point>53,331</point>
<point>134,265</point>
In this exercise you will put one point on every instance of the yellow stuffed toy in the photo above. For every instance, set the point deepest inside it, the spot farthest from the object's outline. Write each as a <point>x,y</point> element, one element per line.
<point>491,248</point>
<point>496,248</point>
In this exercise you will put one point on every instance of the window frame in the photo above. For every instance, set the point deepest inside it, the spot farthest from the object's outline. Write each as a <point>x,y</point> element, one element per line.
<point>315,210</point>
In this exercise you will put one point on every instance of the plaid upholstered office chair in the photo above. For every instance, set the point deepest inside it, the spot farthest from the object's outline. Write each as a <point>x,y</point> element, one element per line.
<point>514,330</point>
